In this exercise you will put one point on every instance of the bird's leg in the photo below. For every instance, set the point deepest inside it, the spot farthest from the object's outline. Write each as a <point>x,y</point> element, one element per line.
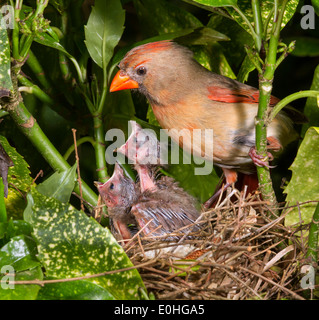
<point>260,161</point>
<point>231,178</point>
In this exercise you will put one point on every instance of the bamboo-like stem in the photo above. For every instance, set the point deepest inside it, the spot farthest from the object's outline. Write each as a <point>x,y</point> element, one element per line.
<point>38,71</point>
<point>265,88</point>
<point>34,89</point>
<point>31,129</point>
<point>16,31</point>
<point>258,23</point>
<point>100,147</point>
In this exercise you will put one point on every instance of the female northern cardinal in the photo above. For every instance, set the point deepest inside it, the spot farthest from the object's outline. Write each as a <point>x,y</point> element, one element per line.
<point>185,95</point>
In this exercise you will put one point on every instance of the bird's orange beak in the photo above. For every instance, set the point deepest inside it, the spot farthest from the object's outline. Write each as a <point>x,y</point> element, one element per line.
<point>122,82</point>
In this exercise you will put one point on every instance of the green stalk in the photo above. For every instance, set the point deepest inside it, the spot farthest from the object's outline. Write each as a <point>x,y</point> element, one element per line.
<point>99,134</point>
<point>258,23</point>
<point>26,46</point>
<point>253,33</point>
<point>30,128</point>
<point>16,31</point>
<point>294,96</point>
<point>265,88</point>
<point>99,137</point>
<point>41,5</point>
<point>312,251</point>
<point>34,89</point>
<point>37,69</point>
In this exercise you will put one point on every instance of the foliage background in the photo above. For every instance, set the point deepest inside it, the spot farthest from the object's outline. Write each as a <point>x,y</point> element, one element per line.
<point>221,50</point>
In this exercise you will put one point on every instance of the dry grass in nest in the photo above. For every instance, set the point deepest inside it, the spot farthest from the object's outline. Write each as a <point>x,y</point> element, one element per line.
<point>244,255</point>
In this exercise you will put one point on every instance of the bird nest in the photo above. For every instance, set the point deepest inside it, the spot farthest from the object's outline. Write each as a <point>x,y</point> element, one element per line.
<point>240,253</point>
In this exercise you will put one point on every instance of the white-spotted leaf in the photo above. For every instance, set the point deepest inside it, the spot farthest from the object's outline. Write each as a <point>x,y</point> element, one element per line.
<point>304,184</point>
<point>71,244</point>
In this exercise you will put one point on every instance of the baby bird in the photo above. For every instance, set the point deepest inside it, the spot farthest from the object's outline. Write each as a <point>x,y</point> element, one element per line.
<point>119,193</point>
<point>162,203</point>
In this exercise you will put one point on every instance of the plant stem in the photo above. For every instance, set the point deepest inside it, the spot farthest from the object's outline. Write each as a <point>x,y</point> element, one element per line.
<point>265,88</point>
<point>258,23</point>
<point>37,69</point>
<point>253,33</point>
<point>100,147</point>
<point>41,95</point>
<point>294,96</point>
<point>16,30</point>
<point>30,128</point>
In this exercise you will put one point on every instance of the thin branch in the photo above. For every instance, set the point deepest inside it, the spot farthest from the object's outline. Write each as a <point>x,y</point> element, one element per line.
<point>43,282</point>
<point>78,167</point>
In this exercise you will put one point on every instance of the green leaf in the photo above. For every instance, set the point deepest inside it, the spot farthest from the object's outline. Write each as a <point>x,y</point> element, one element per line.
<point>75,290</point>
<point>311,110</point>
<point>217,3</point>
<point>5,65</point>
<point>246,68</point>
<point>14,228</point>
<point>104,30</point>
<point>71,244</point>
<point>202,36</point>
<point>19,174</point>
<point>59,185</point>
<point>212,58</point>
<point>315,4</point>
<point>199,186</point>
<point>46,40</point>
<point>163,17</point>
<point>233,50</point>
<point>304,184</point>
<point>23,291</point>
<point>266,9</point>
<point>19,253</point>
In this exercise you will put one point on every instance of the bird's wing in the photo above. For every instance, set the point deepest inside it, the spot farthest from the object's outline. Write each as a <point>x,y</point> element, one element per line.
<point>248,94</point>
<point>244,94</point>
<point>151,215</point>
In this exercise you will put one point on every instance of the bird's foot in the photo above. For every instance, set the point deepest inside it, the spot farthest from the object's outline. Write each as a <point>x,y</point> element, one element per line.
<point>259,160</point>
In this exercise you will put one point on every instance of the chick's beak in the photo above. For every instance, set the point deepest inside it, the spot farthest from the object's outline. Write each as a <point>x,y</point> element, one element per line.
<point>98,184</point>
<point>122,82</point>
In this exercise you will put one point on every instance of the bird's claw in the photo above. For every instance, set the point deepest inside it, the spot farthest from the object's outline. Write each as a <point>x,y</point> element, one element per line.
<point>259,160</point>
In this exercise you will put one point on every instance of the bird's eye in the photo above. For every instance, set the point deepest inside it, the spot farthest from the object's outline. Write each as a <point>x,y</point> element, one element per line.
<point>141,71</point>
<point>112,186</point>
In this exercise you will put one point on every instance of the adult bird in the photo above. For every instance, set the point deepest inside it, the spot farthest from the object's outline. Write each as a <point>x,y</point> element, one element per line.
<point>185,95</point>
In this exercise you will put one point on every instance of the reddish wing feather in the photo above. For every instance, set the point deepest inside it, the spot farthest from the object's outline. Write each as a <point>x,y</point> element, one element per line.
<point>235,96</point>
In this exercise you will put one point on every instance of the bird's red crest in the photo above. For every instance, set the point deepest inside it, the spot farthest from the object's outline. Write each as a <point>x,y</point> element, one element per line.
<point>151,47</point>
